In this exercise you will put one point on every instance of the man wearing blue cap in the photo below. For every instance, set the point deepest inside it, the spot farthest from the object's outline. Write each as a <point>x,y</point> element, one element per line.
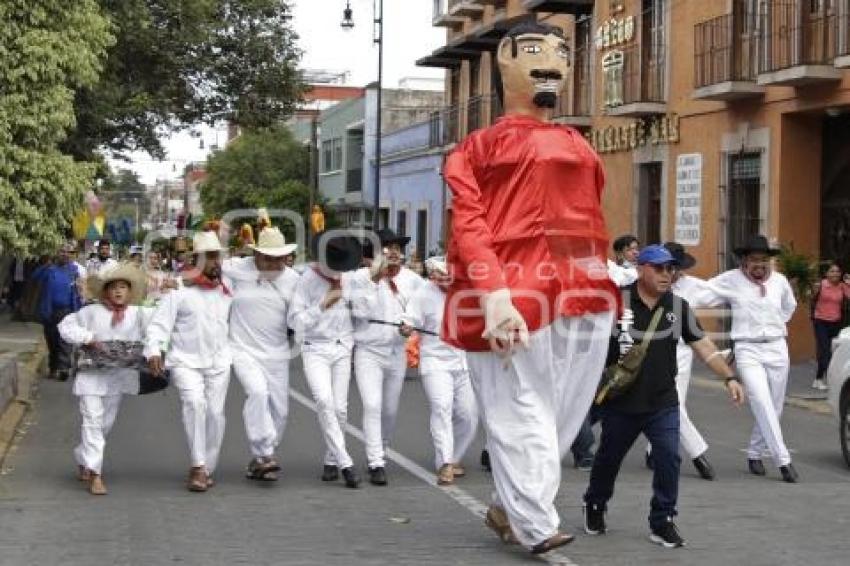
<point>650,405</point>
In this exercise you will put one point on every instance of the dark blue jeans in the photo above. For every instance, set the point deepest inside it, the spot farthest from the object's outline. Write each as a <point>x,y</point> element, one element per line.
<point>619,432</point>
<point>583,444</point>
<point>825,331</point>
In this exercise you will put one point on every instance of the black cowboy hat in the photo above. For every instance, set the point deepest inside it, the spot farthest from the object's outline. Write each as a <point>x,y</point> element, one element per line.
<point>756,244</point>
<point>684,259</point>
<point>340,252</point>
<point>388,237</point>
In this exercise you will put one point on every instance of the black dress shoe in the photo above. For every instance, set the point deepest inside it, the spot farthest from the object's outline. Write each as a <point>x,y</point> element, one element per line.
<point>330,473</point>
<point>377,476</point>
<point>703,466</point>
<point>351,478</point>
<point>756,467</point>
<point>648,461</point>
<point>789,474</point>
<point>485,461</point>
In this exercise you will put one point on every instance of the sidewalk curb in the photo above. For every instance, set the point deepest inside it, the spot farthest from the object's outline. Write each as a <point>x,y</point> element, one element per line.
<point>29,371</point>
<point>813,405</point>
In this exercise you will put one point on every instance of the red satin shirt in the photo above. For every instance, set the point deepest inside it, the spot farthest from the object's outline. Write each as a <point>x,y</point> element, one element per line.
<point>527,215</point>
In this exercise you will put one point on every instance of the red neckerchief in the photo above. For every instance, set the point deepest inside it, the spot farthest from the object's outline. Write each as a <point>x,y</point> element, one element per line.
<point>203,281</point>
<point>762,288</point>
<point>334,283</point>
<point>116,310</point>
<point>392,271</point>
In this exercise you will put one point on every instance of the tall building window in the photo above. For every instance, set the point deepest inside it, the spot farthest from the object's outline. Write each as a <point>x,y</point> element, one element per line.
<point>422,234</point>
<point>649,204</point>
<point>743,205</point>
<point>401,222</point>
<point>327,156</point>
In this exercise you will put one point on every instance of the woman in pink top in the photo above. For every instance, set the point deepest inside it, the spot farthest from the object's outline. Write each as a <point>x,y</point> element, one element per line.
<point>828,306</point>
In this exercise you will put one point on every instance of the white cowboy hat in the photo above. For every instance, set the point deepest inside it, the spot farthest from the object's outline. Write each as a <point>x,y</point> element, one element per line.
<point>203,242</point>
<point>437,263</point>
<point>122,272</point>
<point>271,242</point>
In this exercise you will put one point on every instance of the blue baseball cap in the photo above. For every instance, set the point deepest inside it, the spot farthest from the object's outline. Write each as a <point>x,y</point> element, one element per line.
<point>656,255</point>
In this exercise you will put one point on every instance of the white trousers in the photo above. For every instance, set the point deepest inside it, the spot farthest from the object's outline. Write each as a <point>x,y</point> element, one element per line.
<point>266,385</point>
<point>532,411</point>
<point>380,376</point>
<point>328,372</point>
<point>764,370</point>
<point>202,396</point>
<point>690,438</point>
<point>454,414</point>
<point>98,412</point>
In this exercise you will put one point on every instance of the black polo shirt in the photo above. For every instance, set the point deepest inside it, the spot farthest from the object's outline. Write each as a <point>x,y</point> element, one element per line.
<point>655,386</point>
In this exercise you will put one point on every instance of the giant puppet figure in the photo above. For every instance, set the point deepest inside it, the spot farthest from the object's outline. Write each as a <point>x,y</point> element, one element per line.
<point>531,301</point>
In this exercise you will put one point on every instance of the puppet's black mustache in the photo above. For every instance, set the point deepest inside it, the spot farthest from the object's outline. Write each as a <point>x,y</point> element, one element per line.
<point>545,74</point>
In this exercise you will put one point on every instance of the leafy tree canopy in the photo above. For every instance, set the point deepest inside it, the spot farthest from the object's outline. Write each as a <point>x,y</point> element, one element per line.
<point>48,48</point>
<point>177,63</point>
<point>266,168</point>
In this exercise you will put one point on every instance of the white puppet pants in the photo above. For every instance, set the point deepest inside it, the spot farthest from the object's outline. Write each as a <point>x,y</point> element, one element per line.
<point>98,412</point>
<point>380,376</point>
<point>532,411</point>
<point>266,385</point>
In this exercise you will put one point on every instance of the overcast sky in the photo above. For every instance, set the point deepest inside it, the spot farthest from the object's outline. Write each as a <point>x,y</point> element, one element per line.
<point>408,35</point>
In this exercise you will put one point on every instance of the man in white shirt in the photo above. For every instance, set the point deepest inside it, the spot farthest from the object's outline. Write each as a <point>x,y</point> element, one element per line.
<point>262,290</point>
<point>191,323</point>
<point>623,270</point>
<point>102,260</point>
<point>762,303</point>
<point>321,316</point>
<point>445,375</point>
<point>380,296</point>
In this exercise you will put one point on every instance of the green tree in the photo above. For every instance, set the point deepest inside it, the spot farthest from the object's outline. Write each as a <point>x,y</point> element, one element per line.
<point>177,63</point>
<point>266,168</point>
<point>48,48</point>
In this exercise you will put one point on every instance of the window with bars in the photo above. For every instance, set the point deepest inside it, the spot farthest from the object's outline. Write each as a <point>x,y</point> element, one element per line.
<point>743,202</point>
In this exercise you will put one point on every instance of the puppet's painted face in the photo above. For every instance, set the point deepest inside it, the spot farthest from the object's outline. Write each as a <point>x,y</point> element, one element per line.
<point>534,67</point>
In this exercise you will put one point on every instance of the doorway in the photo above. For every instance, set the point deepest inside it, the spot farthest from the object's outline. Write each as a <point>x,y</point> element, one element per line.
<point>835,191</point>
<point>649,203</point>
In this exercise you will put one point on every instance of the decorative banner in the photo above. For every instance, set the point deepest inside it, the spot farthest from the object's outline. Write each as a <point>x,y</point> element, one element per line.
<point>688,198</point>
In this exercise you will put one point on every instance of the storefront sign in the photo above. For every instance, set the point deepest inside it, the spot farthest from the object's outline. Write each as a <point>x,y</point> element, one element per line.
<point>652,131</point>
<point>615,32</point>
<point>688,198</point>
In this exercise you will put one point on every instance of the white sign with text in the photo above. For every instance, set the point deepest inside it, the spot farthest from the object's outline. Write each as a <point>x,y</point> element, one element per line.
<point>688,198</point>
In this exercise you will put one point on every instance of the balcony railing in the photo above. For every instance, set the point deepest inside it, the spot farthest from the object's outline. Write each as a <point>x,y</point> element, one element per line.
<point>725,50</point>
<point>481,111</point>
<point>575,100</point>
<point>443,129</point>
<point>795,36</point>
<point>643,74</point>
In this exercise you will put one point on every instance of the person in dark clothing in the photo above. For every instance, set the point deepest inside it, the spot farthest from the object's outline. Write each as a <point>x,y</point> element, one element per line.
<point>59,297</point>
<point>651,405</point>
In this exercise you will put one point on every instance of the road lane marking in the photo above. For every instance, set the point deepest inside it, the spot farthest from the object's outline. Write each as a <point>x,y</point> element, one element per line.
<point>459,495</point>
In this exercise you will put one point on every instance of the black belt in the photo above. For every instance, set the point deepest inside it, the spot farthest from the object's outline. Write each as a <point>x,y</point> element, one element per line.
<point>398,325</point>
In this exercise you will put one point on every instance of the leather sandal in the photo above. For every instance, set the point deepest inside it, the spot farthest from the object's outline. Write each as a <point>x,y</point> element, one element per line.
<point>197,480</point>
<point>459,470</point>
<point>83,474</point>
<point>497,520</point>
<point>96,485</point>
<point>553,542</point>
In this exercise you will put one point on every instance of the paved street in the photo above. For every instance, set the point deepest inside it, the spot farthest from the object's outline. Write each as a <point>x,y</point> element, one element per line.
<point>47,518</point>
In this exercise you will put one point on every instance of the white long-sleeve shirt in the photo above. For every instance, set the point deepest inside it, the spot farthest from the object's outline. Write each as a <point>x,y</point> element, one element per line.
<point>191,323</point>
<point>314,326</point>
<point>426,312</point>
<point>258,314</point>
<point>376,301</point>
<point>754,318</point>
<point>621,275</point>
<point>95,265</point>
<point>94,323</point>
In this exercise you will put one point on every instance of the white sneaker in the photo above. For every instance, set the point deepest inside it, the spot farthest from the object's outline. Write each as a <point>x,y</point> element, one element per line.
<point>819,384</point>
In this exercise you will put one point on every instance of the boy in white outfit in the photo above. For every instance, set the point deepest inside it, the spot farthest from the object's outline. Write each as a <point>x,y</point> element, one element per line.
<point>262,291</point>
<point>445,375</point>
<point>193,322</point>
<point>379,298</point>
<point>114,317</point>
<point>321,316</point>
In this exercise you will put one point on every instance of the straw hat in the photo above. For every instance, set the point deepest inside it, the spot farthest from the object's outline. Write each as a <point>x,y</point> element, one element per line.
<point>437,263</point>
<point>122,272</point>
<point>206,241</point>
<point>271,242</point>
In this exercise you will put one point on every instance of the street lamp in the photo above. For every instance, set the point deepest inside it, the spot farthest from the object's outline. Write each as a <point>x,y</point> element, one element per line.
<point>378,37</point>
